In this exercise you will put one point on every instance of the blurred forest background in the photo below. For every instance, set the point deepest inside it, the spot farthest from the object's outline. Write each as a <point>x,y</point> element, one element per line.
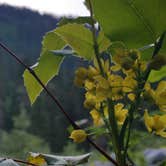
<point>42,127</point>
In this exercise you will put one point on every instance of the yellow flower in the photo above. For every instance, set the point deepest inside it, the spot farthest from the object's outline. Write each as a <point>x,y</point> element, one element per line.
<point>129,73</point>
<point>115,68</point>
<point>160,95</point>
<point>36,159</point>
<point>120,113</point>
<point>80,76</point>
<point>156,123</point>
<point>131,96</point>
<point>129,84</point>
<point>97,120</point>
<point>102,82</point>
<point>78,136</point>
<point>101,94</point>
<point>90,100</point>
<point>89,85</point>
<point>81,72</point>
<point>115,82</point>
<point>105,65</point>
<point>92,71</point>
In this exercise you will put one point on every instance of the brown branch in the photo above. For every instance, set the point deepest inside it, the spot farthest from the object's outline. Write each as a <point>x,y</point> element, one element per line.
<point>75,126</point>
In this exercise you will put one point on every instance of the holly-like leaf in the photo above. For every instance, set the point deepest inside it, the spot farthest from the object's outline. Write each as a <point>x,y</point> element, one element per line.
<point>47,66</point>
<point>135,22</point>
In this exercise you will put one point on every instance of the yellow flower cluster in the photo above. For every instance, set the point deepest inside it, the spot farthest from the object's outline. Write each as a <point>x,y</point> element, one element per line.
<point>117,82</point>
<point>100,88</point>
<point>157,123</point>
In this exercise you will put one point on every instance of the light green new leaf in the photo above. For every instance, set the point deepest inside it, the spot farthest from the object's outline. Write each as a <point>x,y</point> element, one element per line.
<point>135,22</point>
<point>52,41</point>
<point>157,75</point>
<point>47,66</point>
<point>80,39</point>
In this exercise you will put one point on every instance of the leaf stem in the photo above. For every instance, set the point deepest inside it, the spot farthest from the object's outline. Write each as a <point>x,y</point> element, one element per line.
<point>95,44</point>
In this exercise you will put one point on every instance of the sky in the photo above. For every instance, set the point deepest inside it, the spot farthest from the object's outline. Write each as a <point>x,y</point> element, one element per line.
<point>55,7</point>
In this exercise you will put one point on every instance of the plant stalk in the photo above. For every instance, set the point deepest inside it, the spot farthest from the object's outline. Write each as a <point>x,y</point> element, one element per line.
<point>158,45</point>
<point>113,127</point>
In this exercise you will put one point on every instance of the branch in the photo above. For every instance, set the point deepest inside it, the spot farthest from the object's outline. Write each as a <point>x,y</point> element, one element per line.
<point>75,126</point>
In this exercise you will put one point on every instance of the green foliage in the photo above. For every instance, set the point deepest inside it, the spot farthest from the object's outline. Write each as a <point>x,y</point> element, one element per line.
<point>157,75</point>
<point>144,23</point>
<point>136,23</point>
<point>80,39</point>
<point>76,36</point>
<point>46,68</point>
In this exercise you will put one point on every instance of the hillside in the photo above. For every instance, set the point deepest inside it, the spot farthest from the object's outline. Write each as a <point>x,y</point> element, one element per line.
<point>22,31</point>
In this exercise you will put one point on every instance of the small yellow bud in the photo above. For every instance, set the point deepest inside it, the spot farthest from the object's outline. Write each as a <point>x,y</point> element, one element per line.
<point>120,113</point>
<point>78,136</point>
<point>97,120</point>
<point>81,72</point>
<point>156,123</point>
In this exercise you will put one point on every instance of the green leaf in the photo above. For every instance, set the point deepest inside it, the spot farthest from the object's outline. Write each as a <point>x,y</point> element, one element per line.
<point>47,66</point>
<point>135,22</point>
<point>77,36</point>
<point>80,39</point>
<point>46,69</point>
<point>157,75</point>
<point>52,41</point>
<point>63,160</point>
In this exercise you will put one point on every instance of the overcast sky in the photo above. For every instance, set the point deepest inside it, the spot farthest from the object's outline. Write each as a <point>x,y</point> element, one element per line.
<point>56,7</point>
